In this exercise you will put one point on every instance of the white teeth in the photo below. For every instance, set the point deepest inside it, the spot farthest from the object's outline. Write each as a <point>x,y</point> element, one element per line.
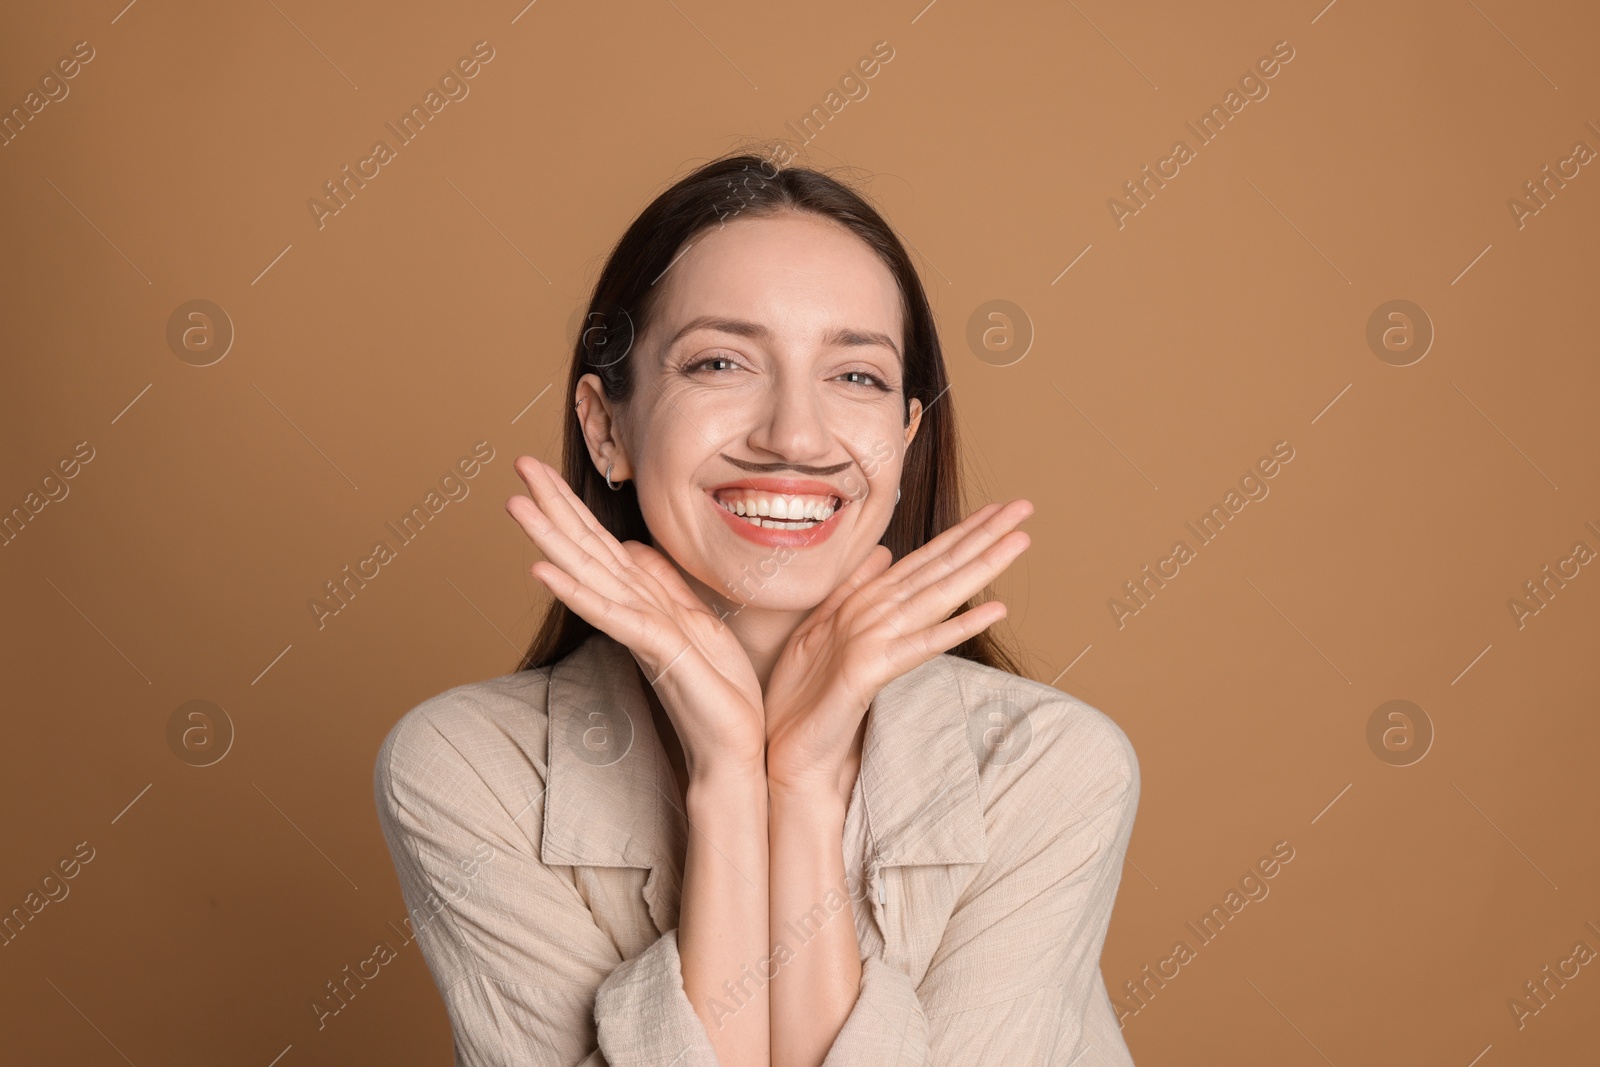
<point>780,512</point>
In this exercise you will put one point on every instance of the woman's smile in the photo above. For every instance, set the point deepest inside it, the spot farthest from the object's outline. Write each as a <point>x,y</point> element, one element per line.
<point>779,512</point>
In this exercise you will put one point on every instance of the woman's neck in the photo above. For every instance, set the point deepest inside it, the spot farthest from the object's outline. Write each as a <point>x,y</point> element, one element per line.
<point>761,632</point>
<point>763,635</point>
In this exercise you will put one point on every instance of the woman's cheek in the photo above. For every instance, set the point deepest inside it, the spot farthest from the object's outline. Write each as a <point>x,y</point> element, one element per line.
<point>854,487</point>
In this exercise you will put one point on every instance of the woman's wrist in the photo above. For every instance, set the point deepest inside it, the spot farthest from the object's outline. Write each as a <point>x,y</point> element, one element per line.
<point>820,809</point>
<point>729,779</point>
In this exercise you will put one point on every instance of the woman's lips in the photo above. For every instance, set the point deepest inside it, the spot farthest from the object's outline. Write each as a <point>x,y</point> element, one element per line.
<point>800,537</point>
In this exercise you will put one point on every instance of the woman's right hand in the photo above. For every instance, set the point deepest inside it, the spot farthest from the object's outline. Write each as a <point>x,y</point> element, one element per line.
<point>634,594</point>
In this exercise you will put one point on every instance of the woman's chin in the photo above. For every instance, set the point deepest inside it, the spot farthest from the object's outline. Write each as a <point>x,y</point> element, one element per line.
<point>785,593</point>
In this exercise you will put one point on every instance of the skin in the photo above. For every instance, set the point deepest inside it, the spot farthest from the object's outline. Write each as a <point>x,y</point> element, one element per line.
<point>760,698</point>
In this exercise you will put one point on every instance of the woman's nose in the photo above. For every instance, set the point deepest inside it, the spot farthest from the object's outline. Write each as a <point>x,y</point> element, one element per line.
<point>793,421</point>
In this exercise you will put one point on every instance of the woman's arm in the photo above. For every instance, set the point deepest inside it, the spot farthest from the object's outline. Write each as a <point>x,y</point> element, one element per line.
<point>819,965</point>
<point>722,920</point>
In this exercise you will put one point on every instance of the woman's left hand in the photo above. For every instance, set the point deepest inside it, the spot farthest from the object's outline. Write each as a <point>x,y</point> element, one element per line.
<point>880,623</point>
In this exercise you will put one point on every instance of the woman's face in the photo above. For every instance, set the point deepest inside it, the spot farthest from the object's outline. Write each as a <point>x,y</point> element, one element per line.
<point>770,382</point>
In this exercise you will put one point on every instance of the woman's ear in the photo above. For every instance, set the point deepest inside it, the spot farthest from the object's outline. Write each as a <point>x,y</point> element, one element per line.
<point>915,421</point>
<point>602,429</point>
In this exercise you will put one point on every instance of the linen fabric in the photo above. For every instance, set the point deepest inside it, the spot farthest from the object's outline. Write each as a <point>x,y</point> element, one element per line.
<point>537,830</point>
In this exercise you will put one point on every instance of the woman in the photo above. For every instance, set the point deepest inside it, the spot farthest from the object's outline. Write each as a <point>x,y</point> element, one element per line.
<point>765,790</point>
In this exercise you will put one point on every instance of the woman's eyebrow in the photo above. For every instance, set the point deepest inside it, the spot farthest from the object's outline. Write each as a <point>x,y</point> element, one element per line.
<point>844,336</point>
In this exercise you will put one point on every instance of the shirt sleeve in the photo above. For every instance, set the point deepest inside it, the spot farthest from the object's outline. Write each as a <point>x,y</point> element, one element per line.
<point>1016,978</point>
<point>526,974</point>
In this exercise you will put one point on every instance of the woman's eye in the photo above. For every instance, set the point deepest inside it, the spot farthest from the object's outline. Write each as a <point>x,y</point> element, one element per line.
<point>701,364</point>
<point>862,377</point>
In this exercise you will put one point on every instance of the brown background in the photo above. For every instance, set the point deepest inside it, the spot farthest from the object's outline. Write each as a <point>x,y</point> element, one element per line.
<point>1229,314</point>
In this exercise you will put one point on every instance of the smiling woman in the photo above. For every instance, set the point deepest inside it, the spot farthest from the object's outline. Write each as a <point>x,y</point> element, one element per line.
<point>690,770</point>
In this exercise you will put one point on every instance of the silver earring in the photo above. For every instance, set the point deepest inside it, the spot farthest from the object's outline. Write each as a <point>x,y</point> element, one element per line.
<point>608,479</point>
<point>897,494</point>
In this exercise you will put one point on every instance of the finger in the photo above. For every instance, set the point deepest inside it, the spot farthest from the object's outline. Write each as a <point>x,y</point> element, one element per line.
<point>587,517</point>
<point>960,551</point>
<point>578,562</point>
<point>871,586</point>
<point>974,537</point>
<point>628,626</point>
<point>567,512</point>
<point>557,547</point>
<point>939,598</point>
<point>661,582</point>
<point>876,563</point>
<point>658,567</point>
<point>544,488</point>
<point>941,542</point>
<point>570,515</point>
<point>919,648</point>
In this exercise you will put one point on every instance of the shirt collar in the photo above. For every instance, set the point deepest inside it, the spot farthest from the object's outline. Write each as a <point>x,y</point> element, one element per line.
<point>611,799</point>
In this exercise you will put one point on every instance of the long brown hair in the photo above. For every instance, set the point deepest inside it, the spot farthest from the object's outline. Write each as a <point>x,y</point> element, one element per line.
<point>620,310</point>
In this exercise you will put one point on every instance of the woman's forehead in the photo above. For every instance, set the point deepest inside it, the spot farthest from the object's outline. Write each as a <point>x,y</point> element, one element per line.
<point>786,274</point>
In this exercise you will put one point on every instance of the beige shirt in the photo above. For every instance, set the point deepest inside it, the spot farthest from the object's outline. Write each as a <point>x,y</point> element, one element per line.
<point>538,833</point>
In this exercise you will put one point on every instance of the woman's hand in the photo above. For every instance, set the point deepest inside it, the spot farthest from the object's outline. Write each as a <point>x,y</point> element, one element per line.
<point>880,623</point>
<point>634,594</point>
